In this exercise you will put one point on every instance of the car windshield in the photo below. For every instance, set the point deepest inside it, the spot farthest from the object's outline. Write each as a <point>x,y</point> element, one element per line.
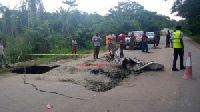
<point>150,34</point>
<point>138,33</point>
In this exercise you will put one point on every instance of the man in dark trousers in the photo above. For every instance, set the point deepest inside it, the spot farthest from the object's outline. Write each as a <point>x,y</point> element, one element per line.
<point>121,39</point>
<point>177,41</point>
<point>96,40</point>
<point>157,38</point>
<point>74,47</point>
<point>144,43</point>
<point>168,36</point>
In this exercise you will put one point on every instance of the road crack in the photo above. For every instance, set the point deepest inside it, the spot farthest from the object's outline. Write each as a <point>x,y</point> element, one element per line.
<point>51,92</point>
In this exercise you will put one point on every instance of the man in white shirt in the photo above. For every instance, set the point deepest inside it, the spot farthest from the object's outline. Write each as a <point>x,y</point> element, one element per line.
<point>96,40</point>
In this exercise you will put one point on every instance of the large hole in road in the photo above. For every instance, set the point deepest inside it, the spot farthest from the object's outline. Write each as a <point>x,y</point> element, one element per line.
<point>34,69</point>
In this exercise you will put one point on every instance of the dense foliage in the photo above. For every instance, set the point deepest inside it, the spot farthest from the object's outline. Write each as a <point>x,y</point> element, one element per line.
<point>189,9</point>
<point>29,29</point>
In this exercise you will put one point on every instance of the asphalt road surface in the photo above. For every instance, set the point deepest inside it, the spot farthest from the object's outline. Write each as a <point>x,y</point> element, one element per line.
<point>151,91</point>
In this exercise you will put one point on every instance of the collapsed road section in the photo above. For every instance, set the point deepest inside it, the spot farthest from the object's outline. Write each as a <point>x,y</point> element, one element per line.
<point>123,68</point>
<point>33,69</point>
<point>97,75</point>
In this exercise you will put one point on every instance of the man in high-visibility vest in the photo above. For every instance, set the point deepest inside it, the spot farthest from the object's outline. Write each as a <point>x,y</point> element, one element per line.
<point>177,41</point>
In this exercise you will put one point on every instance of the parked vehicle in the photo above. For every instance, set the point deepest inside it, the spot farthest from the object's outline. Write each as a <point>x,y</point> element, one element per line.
<point>138,38</point>
<point>151,37</point>
<point>127,42</point>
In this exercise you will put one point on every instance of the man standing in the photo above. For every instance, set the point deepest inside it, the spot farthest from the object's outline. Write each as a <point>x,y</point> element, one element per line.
<point>111,41</point>
<point>168,39</point>
<point>132,42</point>
<point>121,39</point>
<point>74,45</point>
<point>144,43</point>
<point>2,55</point>
<point>157,38</point>
<point>96,40</point>
<point>177,41</point>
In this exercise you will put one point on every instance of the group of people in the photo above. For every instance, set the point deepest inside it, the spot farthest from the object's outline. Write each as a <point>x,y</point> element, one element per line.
<point>110,42</point>
<point>144,42</point>
<point>176,40</point>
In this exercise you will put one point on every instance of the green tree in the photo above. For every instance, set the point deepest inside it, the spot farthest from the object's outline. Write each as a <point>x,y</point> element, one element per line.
<point>34,8</point>
<point>190,10</point>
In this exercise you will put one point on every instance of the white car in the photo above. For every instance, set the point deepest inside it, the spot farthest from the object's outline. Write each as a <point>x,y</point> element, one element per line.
<point>127,42</point>
<point>151,36</point>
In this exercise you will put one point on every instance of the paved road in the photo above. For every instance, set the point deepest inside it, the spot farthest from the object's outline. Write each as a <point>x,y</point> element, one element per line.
<point>161,91</point>
<point>190,92</point>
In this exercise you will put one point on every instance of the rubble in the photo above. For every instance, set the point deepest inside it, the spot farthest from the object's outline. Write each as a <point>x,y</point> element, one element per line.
<point>132,64</point>
<point>126,66</point>
<point>115,79</point>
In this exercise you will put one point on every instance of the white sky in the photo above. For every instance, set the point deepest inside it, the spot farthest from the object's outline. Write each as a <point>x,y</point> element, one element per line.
<point>102,6</point>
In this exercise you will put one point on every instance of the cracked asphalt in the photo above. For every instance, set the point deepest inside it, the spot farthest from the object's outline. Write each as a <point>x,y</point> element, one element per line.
<point>151,91</point>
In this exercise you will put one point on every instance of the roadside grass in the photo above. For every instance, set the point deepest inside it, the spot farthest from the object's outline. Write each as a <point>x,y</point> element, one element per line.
<point>195,38</point>
<point>3,70</point>
<point>38,60</point>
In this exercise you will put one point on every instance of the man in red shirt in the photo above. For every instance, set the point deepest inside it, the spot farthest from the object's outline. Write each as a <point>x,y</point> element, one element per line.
<point>121,39</point>
<point>144,43</point>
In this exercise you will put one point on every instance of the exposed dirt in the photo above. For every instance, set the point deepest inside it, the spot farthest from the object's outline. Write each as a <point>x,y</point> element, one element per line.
<point>97,75</point>
<point>64,86</point>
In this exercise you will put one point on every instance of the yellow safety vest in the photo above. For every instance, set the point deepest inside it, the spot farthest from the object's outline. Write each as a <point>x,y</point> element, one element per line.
<point>176,39</point>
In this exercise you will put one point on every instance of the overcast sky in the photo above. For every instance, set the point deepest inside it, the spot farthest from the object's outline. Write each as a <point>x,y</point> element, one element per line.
<point>102,6</point>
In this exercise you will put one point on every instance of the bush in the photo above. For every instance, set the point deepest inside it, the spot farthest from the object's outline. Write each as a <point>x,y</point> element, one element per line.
<point>195,38</point>
<point>16,47</point>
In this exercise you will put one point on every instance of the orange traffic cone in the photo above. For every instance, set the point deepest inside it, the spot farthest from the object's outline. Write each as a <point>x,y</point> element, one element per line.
<point>188,71</point>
